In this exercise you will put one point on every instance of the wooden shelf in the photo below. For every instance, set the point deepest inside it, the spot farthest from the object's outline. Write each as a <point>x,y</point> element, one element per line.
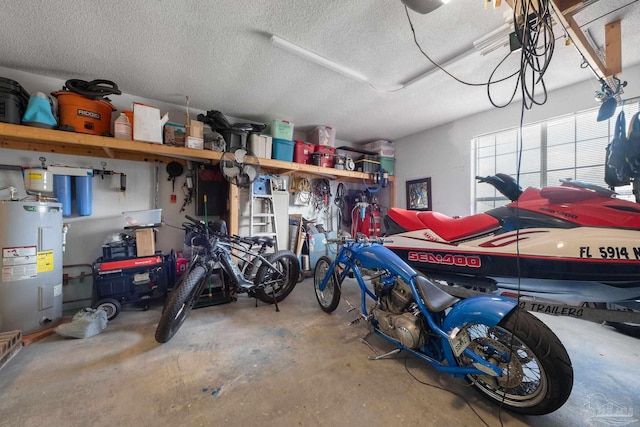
<point>54,141</point>
<point>29,138</point>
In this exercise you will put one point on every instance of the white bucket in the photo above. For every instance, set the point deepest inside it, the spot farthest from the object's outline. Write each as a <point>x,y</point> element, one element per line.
<point>38,181</point>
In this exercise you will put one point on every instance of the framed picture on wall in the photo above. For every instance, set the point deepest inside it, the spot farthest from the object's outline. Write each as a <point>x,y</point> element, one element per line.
<point>419,194</point>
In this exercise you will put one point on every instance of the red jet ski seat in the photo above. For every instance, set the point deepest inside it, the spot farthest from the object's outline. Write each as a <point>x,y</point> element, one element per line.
<point>448,228</point>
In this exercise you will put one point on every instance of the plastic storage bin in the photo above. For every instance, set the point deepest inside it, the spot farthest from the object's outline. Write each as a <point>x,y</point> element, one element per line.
<point>322,135</point>
<point>143,218</point>
<point>261,145</point>
<point>303,151</point>
<point>282,129</point>
<point>387,163</point>
<point>282,150</point>
<point>367,164</point>
<point>382,147</point>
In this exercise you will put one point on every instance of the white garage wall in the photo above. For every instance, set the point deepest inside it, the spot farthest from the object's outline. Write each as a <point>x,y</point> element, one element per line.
<point>444,153</point>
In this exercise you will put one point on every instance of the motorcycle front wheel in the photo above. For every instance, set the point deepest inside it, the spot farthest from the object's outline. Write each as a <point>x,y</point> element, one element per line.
<point>182,299</point>
<point>537,374</point>
<point>274,285</point>
<point>330,297</point>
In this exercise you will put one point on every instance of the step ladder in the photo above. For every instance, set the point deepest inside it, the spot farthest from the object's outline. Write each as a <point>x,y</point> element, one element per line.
<point>262,216</point>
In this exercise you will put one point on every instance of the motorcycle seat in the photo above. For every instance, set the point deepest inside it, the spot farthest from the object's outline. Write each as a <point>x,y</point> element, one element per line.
<point>434,298</point>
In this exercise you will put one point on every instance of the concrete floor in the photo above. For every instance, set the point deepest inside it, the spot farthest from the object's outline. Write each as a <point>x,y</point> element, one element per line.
<point>238,365</point>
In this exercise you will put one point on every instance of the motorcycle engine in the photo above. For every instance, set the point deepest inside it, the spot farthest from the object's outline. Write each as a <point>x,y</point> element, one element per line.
<point>397,313</point>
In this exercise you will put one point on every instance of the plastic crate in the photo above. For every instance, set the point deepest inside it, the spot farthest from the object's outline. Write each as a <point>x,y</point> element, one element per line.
<point>143,218</point>
<point>387,163</point>
<point>282,150</point>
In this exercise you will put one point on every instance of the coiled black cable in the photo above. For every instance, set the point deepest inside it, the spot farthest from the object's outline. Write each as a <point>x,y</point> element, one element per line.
<point>95,89</point>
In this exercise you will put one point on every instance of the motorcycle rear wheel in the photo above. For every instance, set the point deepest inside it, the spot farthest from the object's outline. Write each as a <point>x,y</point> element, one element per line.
<point>539,377</point>
<point>182,299</point>
<point>275,286</point>
<point>330,297</point>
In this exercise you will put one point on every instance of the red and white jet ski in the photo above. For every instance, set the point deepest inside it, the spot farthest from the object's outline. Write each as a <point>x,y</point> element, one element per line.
<point>573,244</point>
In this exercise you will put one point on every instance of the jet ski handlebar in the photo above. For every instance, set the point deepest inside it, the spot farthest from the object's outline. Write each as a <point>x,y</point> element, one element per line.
<point>504,183</point>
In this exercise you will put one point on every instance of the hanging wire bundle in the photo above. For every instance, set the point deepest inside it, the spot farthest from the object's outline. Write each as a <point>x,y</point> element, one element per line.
<point>534,32</point>
<point>536,37</point>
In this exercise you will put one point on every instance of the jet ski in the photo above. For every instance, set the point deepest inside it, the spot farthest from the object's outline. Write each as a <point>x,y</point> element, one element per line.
<point>575,244</point>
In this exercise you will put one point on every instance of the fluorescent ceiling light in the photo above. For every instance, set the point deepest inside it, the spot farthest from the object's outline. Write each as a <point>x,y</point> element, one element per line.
<point>495,40</point>
<point>315,58</point>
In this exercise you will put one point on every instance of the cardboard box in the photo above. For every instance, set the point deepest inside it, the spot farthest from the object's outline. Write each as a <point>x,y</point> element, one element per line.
<point>148,123</point>
<point>193,142</point>
<point>195,129</point>
<point>174,134</point>
<point>145,242</point>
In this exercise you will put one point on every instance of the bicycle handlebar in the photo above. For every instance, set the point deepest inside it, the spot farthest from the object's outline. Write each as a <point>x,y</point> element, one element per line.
<point>343,240</point>
<point>194,220</point>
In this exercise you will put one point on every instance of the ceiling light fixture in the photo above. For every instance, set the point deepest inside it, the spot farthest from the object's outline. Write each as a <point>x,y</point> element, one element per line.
<point>495,40</point>
<point>424,6</point>
<point>317,59</point>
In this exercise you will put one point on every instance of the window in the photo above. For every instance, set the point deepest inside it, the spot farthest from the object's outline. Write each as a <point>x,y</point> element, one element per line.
<point>572,146</point>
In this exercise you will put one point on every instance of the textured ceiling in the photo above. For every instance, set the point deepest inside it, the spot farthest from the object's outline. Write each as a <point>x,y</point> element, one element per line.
<point>219,54</point>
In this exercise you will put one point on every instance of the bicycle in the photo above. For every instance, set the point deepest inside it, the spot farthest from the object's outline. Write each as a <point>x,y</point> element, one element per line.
<point>234,261</point>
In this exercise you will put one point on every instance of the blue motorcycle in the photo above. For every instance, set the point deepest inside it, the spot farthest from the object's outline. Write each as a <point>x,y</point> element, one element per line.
<point>508,355</point>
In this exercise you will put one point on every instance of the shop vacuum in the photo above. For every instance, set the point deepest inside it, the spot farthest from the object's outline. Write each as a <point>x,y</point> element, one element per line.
<point>84,108</point>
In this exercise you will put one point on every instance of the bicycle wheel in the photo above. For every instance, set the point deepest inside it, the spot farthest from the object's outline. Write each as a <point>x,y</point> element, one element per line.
<point>182,300</point>
<point>330,297</point>
<point>274,285</point>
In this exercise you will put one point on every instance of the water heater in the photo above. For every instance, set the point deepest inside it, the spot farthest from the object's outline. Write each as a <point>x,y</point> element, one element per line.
<point>31,262</point>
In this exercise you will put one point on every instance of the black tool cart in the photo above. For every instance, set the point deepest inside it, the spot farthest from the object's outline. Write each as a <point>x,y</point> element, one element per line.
<point>120,277</point>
